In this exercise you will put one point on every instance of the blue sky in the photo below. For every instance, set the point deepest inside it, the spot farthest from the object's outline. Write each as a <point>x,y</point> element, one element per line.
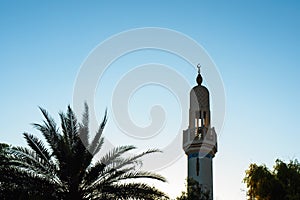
<point>254,44</point>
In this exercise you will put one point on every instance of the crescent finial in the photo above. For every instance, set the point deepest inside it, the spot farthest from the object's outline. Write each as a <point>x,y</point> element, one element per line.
<point>199,66</point>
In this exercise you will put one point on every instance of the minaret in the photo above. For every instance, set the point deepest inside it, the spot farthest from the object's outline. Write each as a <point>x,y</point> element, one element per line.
<point>200,140</point>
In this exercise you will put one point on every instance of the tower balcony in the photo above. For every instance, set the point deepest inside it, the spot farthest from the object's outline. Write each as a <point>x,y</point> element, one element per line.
<point>202,139</point>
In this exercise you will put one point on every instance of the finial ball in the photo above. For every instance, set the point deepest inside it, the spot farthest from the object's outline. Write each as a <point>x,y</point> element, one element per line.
<point>199,79</point>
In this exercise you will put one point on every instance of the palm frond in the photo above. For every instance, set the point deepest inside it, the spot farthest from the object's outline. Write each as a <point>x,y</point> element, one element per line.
<point>28,160</point>
<point>49,130</point>
<point>49,120</point>
<point>96,142</point>
<point>132,160</point>
<point>93,173</point>
<point>131,191</point>
<point>64,128</point>
<point>38,146</point>
<point>71,124</point>
<point>115,153</point>
<point>137,175</point>
<point>84,126</point>
<point>24,180</point>
<point>99,146</point>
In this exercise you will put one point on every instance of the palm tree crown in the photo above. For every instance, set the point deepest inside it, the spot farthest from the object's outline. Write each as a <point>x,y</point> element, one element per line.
<point>65,169</point>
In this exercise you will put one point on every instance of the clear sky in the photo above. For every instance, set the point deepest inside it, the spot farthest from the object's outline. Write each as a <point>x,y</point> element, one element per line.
<point>254,44</point>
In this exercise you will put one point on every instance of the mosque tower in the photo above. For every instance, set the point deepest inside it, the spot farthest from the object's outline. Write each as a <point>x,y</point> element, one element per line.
<point>200,139</point>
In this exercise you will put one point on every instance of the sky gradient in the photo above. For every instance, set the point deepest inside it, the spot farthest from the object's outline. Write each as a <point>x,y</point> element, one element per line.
<point>254,44</point>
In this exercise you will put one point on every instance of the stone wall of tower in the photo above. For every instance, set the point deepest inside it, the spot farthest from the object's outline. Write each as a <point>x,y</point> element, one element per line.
<point>199,106</point>
<point>200,169</point>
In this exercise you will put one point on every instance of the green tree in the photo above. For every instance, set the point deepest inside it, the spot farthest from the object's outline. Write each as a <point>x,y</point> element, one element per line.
<point>282,183</point>
<point>194,191</point>
<point>3,153</point>
<point>3,160</point>
<point>65,169</point>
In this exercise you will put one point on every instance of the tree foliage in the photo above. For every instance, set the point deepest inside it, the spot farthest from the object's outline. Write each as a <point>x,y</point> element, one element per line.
<point>281,183</point>
<point>4,158</point>
<point>3,153</point>
<point>64,169</point>
<point>194,191</point>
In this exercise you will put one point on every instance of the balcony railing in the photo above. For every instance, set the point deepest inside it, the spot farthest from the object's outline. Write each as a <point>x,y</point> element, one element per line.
<point>199,135</point>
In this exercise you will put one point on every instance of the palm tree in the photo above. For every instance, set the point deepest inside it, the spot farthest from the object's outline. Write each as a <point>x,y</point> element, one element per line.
<point>65,169</point>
